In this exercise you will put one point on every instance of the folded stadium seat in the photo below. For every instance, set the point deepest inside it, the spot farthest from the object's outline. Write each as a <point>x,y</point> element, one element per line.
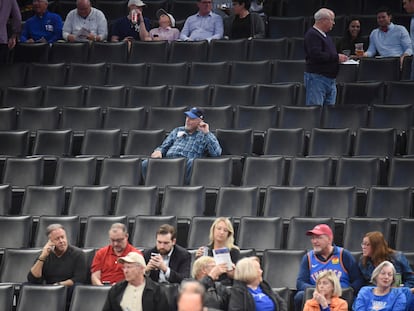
<point>31,52</point>
<point>298,226</point>
<point>23,96</point>
<point>330,142</point>
<point>75,172</point>
<point>46,297</point>
<point>143,142</point>
<point>80,119</point>
<point>268,49</point>
<point>347,73</point>
<point>406,67</point>
<point>269,229</point>
<point>390,202</point>
<point>375,142</point>
<point>170,74</point>
<point>282,27</point>
<point>361,172</point>
<point>53,143</point>
<point>69,52</point>
<point>148,52</point>
<point>12,74</point>
<point>399,117</point>
<point>209,73</point>
<point>285,202</point>
<point>198,231</point>
<point>5,199</point>
<point>43,200</point>
<point>125,119</point>
<point>171,291</point>
<point>250,72</point>
<point>143,233</point>
<point>379,69</point>
<point>234,95</point>
<point>218,117</point>
<point>300,117</point>
<point>228,50</point>
<point>356,228</point>
<point>14,143</point>
<point>361,93</point>
<point>8,117</point>
<point>86,74</point>
<point>148,96</point>
<point>188,51</point>
<point>87,201</point>
<point>101,143</point>
<point>352,117</point>
<point>71,224</point>
<point>164,172</point>
<point>288,71</point>
<point>16,263</point>
<point>117,172</point>
<point>46,74</point>
<point>183,202</point>
<point>263,171</point>
<point>284,142</point>
<point>211,172</point>
<point>410,142</point>
<point>238,201</point>
<point>310,172</point>
<point>88,297</point>
<point>33,119</point>
<point>275,94</point>
<point>22,172</point>
<point>183,9</point>
<point>7,296</point>
<point>171,117</point>
<point>403,235</point>
<point>296,48</point>
<point>180,95</point>
<point>400,172</point>
<point>62,96</point>
<point>399,92</point>
<point>337,202</point>
<point>21,226</point>
<point>127,74</point>
<point>96,230</point>
<point>106,96</point>
<point>109,52</point>
<point>132,201</point>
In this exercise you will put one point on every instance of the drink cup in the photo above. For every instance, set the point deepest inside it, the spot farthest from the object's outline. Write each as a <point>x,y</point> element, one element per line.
<point>359,49</point>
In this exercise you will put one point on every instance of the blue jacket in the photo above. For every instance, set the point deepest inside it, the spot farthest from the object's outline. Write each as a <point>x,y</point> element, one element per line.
<point>395,300</point>
<point>49,26</point>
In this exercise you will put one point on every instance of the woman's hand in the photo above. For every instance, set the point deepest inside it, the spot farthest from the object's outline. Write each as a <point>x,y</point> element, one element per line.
<point>320,299</point>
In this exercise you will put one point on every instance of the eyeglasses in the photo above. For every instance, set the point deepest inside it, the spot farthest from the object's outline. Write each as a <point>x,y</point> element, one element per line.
<point>365,245</point>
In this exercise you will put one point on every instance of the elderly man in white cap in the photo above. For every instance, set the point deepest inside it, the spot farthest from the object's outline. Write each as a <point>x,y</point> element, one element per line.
<point>166,30</point>
<point>85,23</point>
<point>132,27</point>
<point>136,292</point>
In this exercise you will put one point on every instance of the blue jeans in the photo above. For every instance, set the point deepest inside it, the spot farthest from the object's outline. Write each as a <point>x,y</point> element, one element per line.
<point>320,90</point>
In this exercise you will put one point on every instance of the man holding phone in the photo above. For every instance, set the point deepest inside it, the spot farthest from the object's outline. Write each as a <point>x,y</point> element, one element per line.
<point>194,140</point>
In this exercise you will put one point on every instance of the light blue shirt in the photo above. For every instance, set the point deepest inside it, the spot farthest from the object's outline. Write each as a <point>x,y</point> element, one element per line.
<point>412,41</point>
<point>393,43</point>
<point>198,27</point>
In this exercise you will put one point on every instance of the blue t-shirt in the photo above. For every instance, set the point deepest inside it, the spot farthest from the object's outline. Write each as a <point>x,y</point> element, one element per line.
<point>261,300</point>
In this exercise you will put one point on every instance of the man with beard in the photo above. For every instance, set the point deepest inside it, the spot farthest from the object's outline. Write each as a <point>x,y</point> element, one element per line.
<point>106,268</point>
<point>59,263</point>
<point>167,262</point>
<point>326,256</point>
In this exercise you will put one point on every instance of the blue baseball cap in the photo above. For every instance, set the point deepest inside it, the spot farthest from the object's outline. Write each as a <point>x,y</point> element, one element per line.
<point>195,113</point>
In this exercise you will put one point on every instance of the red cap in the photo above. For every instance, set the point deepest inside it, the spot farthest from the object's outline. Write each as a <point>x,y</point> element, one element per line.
<point>321,229</point>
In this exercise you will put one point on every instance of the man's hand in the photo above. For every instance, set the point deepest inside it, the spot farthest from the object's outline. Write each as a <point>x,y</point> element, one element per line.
<point>203,126</point>
<point>342,58</point>
<point>156,154</point>
<point>157,263</point>
<point>11,43</point>
<point>47,249</point>
<point>217,271</point>
<point>71,38</point>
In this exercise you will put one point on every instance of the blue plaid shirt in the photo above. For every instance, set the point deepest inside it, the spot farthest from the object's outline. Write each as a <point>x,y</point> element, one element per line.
<point>180,143</point>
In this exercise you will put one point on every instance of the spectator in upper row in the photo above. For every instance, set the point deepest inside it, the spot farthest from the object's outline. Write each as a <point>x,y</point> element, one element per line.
<point>351,36</point>
<point>166,29</point>
<point>44,26</point>
<point>389,40</point>
<point>85,23</point>
<point>242,23</point>
<point>134,26</point>
<point>204,25</point>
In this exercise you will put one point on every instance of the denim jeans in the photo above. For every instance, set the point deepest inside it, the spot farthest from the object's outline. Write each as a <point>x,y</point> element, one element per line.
<point>320,90</point>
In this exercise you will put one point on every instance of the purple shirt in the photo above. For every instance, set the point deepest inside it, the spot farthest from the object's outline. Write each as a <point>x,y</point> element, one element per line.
<point>9,8</point>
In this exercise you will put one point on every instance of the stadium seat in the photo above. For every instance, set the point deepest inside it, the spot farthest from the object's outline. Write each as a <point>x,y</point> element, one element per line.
<point>22,172</point>
<point>358,172</point>
<point>183,202</point>
<point>285,202</point>
<point>65,52</point>
<point>284,142</point>
<point>405,227</point>
<point>148,52</point>
<point>86,74</point>
<point>106,96</point>
<point>14,143</point>
<point>81,119</point>
<point>250,72</point>
<point>96,230</point>
<point>43,200</point>
<point>143,142</point>
<point>109,52</point>
<point>390,202</point>
<point>132,201</point>
<point>33,119</point>
<point>75,172</point>
<point>300,117</point>
<point>167,74</point>
<point>211,172</point>
<point>21,226</point>
<point>330,142</point>
<point>53,143</point>
<point>90,201</point>
<point>227,50</point>
<point>16,263</point>
<point>164,172</point>
<point>209,73</point>
<point>400,172</point>
<point>234,95</point>
<point>125,119</point>
<point>88,298</point>
<point>165,118</point>
<point>237,201</point>
<point>70,223</point>
<point>23,96</point>
<point>187,51</point>
<point>62,96</point>
<point>104,143</point>
<point>263,171</point>
<point>337,202</point>
<point>180,95</point>
<point>8,118</point>
<point>45,297</point>
<point>375,142</point>
<point>117,172</point>
<point>145,228</point>
<point>46,74</point>
<point>310,172</point>
<point>127,74</point>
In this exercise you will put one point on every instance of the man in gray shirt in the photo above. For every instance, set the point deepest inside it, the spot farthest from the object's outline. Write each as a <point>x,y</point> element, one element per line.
<point>8,9</point>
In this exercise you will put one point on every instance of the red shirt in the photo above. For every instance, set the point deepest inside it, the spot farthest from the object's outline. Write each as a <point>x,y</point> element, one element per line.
<point>106,261</point>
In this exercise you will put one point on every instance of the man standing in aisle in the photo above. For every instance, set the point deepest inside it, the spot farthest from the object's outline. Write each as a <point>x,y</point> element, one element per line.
<point>8,9</point>
<point>409,7</point>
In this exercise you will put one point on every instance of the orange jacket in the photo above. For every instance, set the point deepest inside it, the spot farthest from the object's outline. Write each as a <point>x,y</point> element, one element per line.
<point>337,304</point>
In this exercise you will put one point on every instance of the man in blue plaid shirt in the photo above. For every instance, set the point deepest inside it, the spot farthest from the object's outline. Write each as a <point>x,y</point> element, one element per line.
<point>194,140</point>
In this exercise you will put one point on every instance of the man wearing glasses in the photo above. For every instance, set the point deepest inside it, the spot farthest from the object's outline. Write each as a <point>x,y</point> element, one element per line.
<point>106,270</point>
<point>204,25</point>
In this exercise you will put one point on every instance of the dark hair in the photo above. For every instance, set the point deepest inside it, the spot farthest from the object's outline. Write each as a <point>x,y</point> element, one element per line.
<point>347,34</point>
<point>165,229</point>
<point>383,9</point>
<point>247,3</point>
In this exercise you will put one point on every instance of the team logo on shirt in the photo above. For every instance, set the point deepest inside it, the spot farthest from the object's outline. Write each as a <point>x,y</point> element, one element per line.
<point>335,260</point>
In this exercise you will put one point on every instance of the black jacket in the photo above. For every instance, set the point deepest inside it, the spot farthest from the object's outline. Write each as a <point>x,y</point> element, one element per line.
<point>217,295</point>
<point>153,298</point>
<point>242,300</point>
<point>180,263</point>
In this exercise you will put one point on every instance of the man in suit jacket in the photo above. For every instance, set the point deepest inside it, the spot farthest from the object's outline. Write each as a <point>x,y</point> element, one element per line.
<point>167,262</point>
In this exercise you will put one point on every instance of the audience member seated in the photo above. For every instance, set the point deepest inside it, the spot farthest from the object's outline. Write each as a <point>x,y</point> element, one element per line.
<point>137,292</point>
<point>221,236</point>
<point>250,292</point>
<point>351,36</point>
<point>106,268</point>
<point>389,40</point>
<point>44,26</point>
<point>326,256</point>
<point>132,27</point>
<point>382,296</point>
<point>167,262</point>
<point>375,250</point>
<point>207,272</point>
<point>85,23</point>
<point>326,294</point>
<point>166,30</point>
<point>194,140</point>
<point>242,23</point>
<point>9,10</point>
<point>204,25</point>
<point>191,297</point>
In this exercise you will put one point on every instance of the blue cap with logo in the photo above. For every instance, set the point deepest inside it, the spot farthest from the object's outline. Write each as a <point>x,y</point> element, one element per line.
<point>195,113</point>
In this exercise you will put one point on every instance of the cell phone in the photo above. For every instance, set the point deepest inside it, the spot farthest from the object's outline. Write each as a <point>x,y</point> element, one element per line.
<point>154,254</point>
<point>155,35</point>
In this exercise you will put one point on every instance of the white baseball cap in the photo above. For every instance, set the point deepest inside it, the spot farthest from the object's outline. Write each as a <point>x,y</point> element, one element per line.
<point>164,12</point>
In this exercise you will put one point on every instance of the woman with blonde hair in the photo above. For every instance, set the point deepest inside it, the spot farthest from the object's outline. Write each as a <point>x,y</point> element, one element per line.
<point>221,236</point>
<point>326,294</point>
<point>250,292</point>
